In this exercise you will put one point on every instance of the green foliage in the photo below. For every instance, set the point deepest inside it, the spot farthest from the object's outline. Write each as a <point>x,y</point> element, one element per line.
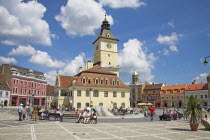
<point>194,110</point>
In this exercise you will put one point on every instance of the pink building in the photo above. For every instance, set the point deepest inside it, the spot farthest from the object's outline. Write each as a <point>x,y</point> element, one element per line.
<point>27,86</point>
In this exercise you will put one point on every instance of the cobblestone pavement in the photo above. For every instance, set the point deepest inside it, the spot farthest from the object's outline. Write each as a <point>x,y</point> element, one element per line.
<point>112,129</point>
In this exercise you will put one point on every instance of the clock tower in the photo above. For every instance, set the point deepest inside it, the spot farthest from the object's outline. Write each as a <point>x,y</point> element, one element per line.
<point>105,49</point>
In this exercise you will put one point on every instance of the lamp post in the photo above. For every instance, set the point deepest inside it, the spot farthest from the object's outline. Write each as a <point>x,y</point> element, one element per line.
<point>206,62</point>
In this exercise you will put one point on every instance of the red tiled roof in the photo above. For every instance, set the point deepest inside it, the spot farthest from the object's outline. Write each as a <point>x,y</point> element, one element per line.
<point>65,81</point>
<point>3,83</point>
<point>153,86</point>
<point>97,72</point>
<point>201,86</point>
<point>50,90</point>
<point>93,76</point>
<point>98,69</point>
<point>173,89</point>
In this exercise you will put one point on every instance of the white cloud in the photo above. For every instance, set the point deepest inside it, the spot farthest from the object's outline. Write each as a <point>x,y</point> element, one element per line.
<point>165,52</point>
<point>42,58</point>
<point>7,42</point>
<point>173,48</point>
<point>122,3</point>
<point>133,57</point>
<point>23,50</point>
<point>82,18</point>
<point>7,60</point>
<point>171,24</point>
<point>201,78</point>
<point>169,40</point>
<point>72,67</point>
<point>22,22</point>
<point>51,77</point>
<point>54,36</point>
<point>69,69</point>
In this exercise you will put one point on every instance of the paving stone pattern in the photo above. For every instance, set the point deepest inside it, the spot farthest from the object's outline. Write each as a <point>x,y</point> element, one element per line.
<point>12,129</point>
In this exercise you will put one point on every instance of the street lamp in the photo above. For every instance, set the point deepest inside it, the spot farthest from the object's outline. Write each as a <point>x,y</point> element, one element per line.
<point>206,62</point>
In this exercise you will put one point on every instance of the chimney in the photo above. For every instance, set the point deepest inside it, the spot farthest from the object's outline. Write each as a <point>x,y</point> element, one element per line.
<point>89,65</point>
<point>80,69</point>
<point>193,82</point>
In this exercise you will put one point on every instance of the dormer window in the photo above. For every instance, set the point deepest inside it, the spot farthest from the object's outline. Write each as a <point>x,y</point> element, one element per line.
<point>102,81</point>
<point>106,81</point>
<point>113,82</point>
<point>118,83</point>
<point>83,80</point>
<point>96,81</point>
<point>108,35</point>
<point>88,80</point>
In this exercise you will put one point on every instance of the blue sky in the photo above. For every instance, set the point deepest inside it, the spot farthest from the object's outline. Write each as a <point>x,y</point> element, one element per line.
<point>164,41</point>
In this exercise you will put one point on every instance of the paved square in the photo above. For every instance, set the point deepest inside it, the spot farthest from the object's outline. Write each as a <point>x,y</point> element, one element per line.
<point>116,129</point>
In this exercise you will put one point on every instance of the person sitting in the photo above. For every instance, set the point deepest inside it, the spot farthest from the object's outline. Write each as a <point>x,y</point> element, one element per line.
<point>45,114</point>
<point>80,117</point>
<point>94,118</point>
<point>86,115</point>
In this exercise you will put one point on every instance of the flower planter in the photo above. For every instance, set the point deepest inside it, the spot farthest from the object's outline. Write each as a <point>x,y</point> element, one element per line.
<point>194,127</point>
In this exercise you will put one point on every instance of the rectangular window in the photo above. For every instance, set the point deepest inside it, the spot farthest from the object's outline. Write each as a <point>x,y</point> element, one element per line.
<point>105,93</point>
<point>206,96</point>
<point>95,93</point>
<point>114,94</point>
<point>177,97</point>
<point>78,105</point>
<point>87,93</point>
<point>186,97</point>
<point>196,96</point>
<point>78,93</point>
<point>201,96</point>
<point>122,94</point>
<point>162,98</point>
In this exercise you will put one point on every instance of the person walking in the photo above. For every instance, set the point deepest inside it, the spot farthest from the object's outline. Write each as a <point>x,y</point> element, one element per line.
<point>152,112</point>
<point>20,111</point>
<point>35,112</point>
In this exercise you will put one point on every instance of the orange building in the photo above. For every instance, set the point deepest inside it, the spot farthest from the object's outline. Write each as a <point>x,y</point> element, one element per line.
<point>172,96</point>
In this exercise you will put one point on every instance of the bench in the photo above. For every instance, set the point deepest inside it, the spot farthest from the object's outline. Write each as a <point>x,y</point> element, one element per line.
<point>69,116</point>
<point>55,115</point>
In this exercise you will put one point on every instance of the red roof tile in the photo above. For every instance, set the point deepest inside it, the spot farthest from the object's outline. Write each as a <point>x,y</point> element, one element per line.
<point>50,90</point>
<point>201,86</point>
<point>3,83</point>
<point>153,86</point>
<point>65,81</point>
<point>173,89</point>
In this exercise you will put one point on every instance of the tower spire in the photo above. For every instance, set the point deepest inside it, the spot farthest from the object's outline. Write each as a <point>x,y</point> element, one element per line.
<point>105,24</point>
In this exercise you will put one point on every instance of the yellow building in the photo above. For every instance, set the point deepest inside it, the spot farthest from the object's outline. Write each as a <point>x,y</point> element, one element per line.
<point>105,49</point>
<point>97,86</point>
<point>62,95</point>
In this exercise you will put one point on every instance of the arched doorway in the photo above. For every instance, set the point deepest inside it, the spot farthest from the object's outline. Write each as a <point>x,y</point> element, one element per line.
<point>165,104</point>
<point>5,103</point>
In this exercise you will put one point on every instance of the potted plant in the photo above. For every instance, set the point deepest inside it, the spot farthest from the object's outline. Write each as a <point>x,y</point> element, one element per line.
<point>194,112</point>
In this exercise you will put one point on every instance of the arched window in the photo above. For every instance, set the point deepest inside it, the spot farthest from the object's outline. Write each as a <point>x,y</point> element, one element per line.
<point>102,81</point>
<point>78,105</point>
<point>106,81</point>
<point>113,82</point>
<point>87,104</point>
<point>96,81</point>
<point>83,80</point>
<point>88,80</point>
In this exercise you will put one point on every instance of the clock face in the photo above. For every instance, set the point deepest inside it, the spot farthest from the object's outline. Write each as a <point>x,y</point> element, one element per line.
<point>109,46</point>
